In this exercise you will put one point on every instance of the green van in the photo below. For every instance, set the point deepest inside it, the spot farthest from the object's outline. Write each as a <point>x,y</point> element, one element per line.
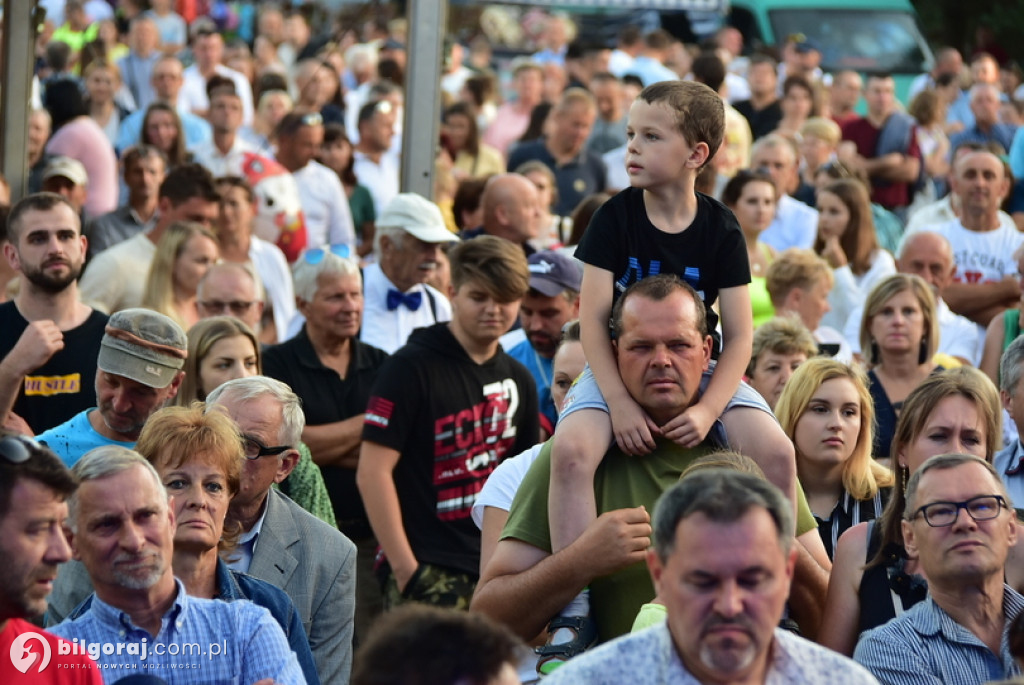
<point>864,35</point>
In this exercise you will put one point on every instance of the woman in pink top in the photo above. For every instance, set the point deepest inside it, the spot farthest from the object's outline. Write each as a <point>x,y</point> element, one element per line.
<point>78,136</point>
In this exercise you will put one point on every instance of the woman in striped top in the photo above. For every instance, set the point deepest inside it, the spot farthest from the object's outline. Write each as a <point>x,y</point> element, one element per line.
<point>826,411</point>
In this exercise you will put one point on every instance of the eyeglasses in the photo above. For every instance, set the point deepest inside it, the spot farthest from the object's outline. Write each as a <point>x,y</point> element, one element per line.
<point>237,307</point>
<point>254,448</point>
<point>317,254</point>
<point>16,449</point>
<point>981,508</point>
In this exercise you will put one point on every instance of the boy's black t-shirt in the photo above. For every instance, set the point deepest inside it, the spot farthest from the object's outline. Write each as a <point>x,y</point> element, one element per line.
<point>709,255</point>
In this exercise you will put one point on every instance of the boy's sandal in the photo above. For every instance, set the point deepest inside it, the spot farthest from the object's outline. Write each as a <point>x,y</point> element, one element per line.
<point>551,656</point>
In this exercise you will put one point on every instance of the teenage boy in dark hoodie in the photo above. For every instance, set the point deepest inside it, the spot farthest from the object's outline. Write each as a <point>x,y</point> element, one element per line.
<point>445,410</point>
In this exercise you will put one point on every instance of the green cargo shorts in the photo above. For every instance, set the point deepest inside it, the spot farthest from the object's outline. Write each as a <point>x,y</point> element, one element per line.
<point>434,585</point>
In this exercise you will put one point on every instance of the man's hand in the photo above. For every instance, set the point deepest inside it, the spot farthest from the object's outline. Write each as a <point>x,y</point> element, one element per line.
<point>618,539</point>
<point>634,430</point>
<point>13,422</point>
<point>40,341</point>
<point>691,427</point>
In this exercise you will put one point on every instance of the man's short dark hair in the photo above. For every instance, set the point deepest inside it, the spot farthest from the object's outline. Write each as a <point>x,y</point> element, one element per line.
<point>658,288</point>
<point>187,181</point>
<point>723,496</point>
<point>425,636</point>
<point>220,85</point>
<point>42,466</point>
<point>709,69</point>
<point>36,202</point>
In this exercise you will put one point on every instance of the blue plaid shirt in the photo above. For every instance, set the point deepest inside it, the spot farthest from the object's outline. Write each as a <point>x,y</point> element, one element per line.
<point>925,646</point>
<point>213,642</point>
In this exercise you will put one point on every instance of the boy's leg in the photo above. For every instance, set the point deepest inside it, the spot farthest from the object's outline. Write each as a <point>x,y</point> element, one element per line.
<point>580,442</point>
<point>758,435</point>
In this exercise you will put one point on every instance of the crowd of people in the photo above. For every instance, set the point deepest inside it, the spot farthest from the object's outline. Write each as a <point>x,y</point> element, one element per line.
<point>686,372</point>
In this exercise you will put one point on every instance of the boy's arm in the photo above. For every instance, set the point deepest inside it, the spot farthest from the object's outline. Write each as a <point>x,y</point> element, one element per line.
<point>693,425</point>
<point>632,427</point>
<point>375,479</point>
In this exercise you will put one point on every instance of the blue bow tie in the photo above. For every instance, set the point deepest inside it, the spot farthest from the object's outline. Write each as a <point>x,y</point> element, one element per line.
<point>396,298</point>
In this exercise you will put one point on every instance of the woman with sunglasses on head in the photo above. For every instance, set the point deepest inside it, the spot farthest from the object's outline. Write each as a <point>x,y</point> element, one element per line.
<point>238,245</point>
<point>873,580</point>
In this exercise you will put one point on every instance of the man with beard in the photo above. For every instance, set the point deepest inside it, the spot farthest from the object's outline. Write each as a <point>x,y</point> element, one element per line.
<point>137,370</point>
<point>552,301</point>
<point>722,563</point>
<point>122,529</point>
<point>49,340</point>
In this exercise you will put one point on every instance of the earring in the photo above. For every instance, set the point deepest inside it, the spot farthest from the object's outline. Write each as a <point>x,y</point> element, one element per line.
<point>922,356</point>
<point>875,353</point>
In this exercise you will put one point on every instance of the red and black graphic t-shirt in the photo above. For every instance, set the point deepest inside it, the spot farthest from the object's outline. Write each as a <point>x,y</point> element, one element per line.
<point>453,421</point>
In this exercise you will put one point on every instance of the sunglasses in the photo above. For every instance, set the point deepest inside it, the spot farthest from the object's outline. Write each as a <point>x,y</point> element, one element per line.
<point>16,449</point>
<point>317,254</point>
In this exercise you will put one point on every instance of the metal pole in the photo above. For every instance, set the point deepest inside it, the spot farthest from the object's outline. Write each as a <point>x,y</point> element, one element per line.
<point>19,35</point>
<point>428,24</point>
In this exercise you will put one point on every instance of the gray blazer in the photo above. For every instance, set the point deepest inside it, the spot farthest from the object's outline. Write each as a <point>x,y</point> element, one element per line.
<point>316,565</point>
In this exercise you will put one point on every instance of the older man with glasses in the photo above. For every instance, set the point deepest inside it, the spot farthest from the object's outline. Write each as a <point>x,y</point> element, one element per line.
<point>960,525</point>
<point>324,201</point>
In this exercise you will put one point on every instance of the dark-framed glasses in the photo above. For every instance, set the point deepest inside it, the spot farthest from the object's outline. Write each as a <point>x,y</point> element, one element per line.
<point>17,449</point>
<point>980,508</point>
<point>254,448</point>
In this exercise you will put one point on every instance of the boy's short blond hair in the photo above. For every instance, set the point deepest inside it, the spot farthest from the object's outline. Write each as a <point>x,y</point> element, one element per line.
<point>700,113</point>
<point>822,129</point>
<point>795,268</point>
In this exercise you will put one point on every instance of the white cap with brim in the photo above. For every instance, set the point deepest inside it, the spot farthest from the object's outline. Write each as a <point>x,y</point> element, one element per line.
<point>144,346</point>
<point>68,168</point>
<point>419,218</point>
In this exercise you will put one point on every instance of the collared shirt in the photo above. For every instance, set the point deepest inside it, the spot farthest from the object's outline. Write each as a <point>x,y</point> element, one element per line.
<point>1000,133</point>
<point>222,163</point>
<point>242,556</point>
<point>1007,463</point>
<point>325,206</point>
<point>795,225</point>
<point>193,90</point>
<point>389,329</point>
<point>577,178</point>
<point>252,645</point>
<point>380,178</point>
<point>542,369</point>
<point>925,645</point>
<point>650,657</point>
<point>115,227</point>
<point>136,73</point>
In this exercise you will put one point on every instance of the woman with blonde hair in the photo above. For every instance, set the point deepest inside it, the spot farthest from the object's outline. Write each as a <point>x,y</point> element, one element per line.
<point>826,411</point>
<point>185,251</point>
<point>873,580</point>
<point>899,334</point>
<point>819,140</point>
<point>220,348</point>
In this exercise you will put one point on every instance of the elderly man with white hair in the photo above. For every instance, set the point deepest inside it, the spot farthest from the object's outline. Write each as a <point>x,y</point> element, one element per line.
<point>410,235</point>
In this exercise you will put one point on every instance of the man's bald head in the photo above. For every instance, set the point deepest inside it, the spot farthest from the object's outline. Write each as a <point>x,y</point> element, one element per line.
<point>231,290</point>
<point>511,208</point>
<point>928,255</point>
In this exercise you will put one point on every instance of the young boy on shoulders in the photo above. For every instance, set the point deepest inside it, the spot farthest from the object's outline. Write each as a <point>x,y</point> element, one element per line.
<point>661,225</point>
